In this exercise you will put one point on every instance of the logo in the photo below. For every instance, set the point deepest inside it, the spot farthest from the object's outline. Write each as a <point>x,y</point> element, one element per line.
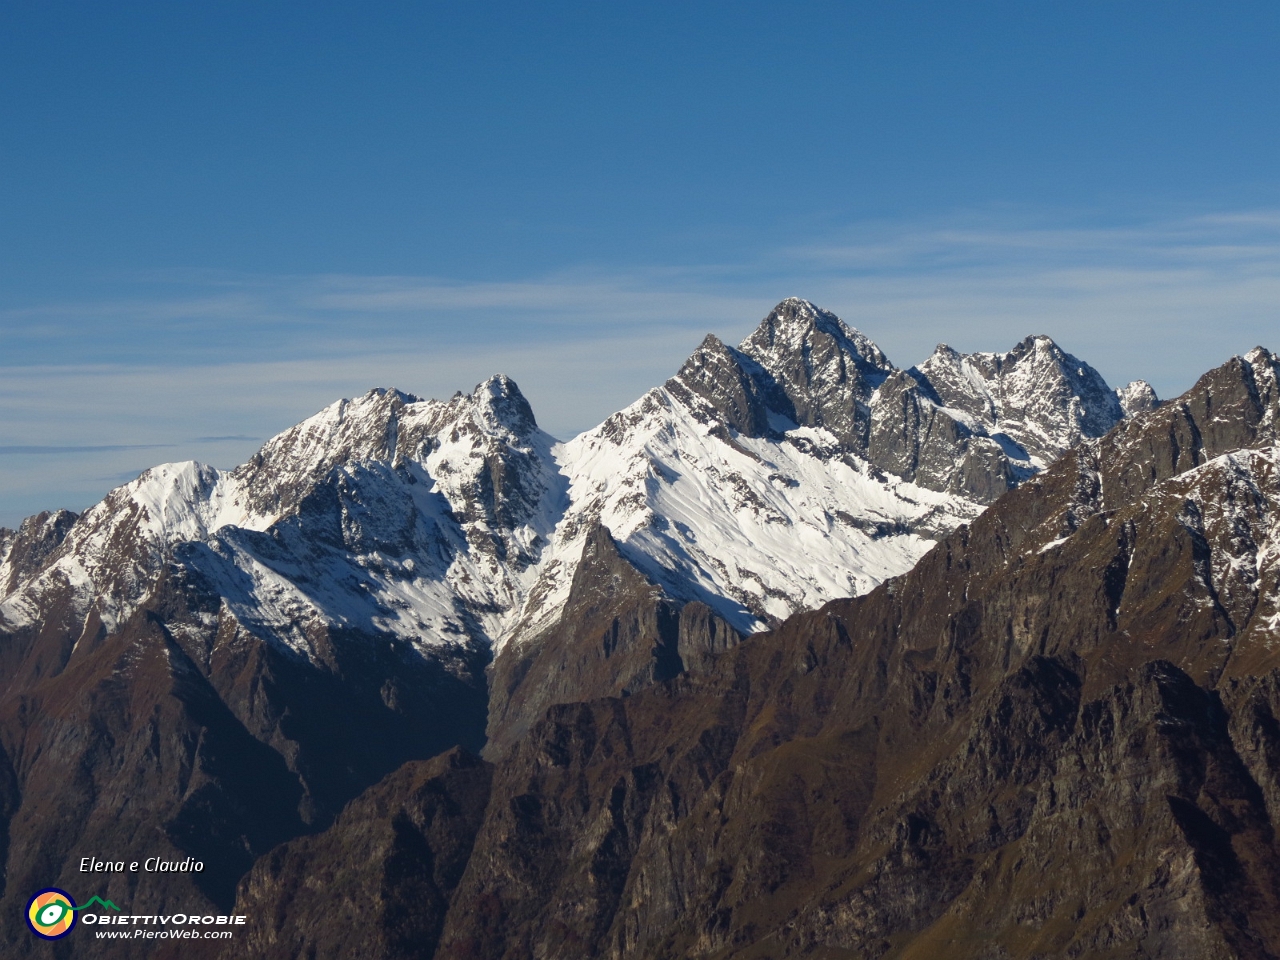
<point>51,914</point>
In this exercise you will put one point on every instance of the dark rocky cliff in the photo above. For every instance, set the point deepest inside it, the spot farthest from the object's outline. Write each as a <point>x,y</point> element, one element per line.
<point>617,634</point>
<point>380,881</point>
<point>182,734</point>
<point>969,424</point>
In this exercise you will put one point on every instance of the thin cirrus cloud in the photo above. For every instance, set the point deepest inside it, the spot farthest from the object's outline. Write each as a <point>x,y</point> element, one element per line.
<point>570,299</point>
<point>1161,300</point>
<point>41,450</point>
<point>203,364</point>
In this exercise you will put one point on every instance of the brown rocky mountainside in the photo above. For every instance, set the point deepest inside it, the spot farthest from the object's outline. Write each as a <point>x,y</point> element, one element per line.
<point>159,741</point>
<point>381,880</point>
<point>1057,736</point>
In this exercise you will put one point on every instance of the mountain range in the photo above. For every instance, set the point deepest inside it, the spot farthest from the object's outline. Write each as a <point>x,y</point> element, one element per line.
<point>795,655</point>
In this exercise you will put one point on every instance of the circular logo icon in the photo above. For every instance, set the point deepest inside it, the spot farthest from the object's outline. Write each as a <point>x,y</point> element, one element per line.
<point>51,913</point>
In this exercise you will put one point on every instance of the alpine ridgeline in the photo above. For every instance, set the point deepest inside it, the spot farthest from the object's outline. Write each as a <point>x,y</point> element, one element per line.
<point>210,663</point>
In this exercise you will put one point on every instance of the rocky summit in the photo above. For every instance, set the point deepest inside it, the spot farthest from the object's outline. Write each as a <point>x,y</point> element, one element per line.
<point>801,654</point>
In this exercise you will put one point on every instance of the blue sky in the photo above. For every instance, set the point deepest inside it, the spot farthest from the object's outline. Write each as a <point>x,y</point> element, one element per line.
<point>216,218</point>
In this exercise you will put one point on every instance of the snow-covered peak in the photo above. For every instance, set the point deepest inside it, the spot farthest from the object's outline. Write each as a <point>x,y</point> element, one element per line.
<point>502,407</point>
<point>802,366</point>
<point>1137,396</point>
<point>182,501</point>
<point>1265,367</point>
<point>1265,364</point>
<point>450,502</point>
<point>23,551</point>
<point>756,527</point>
<point>112,552</point>
<point>1037,395</point>
<point>279,475</point>
<point>955,380</point>
<point>705,482</point>
<point>795,326</point>
<point>760,480</point>
<point>383,425</point>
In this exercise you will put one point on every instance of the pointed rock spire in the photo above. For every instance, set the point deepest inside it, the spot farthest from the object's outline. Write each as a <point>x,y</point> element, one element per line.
<point>501,404</point>
<point>827,369</point>
<point>1037,395</point>
<point>797,328</point>
<point>740,391</point>
<point>1137,397</point>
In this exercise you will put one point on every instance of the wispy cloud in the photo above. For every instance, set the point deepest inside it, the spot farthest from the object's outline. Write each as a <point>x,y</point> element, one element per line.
<point>80,448</point>
<point>202,364</point>
<point>123,476</point>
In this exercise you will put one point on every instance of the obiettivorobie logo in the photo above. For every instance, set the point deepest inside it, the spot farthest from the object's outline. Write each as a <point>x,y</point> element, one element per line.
<point>51,913</point>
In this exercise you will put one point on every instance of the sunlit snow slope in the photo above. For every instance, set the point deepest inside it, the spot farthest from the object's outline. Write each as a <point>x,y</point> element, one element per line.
<point>799,467</point>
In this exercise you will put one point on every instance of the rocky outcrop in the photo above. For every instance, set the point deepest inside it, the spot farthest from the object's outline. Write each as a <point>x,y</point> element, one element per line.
<point>379,882</point>
<point>1137,397</point>
<point>826,370</point>
<point>979,424</point>
<point>25,550</point>
<point>1039,397</point>
<point>974,425</point>
<point>739,393</point>
<point>912,435</point>
<point>618,633</point>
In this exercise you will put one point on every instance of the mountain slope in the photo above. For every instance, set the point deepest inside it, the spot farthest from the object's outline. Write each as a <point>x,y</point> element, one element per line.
<point>760,480</point>
<point>411,518</point>
<point>209,663</point>
<point>768,479</point>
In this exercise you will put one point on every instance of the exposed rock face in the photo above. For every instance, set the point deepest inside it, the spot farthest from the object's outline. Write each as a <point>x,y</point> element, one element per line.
<point>1040,398</point>
<point>130,752</point>
<point>618,633</point>
<point>914,436</point>
<point>802,365</point>
<point>24,551</point>
<point>739,391</point>
<point>1136,397</point>
<point>380,880</point>
<point>968,424</point>
<point>826,370</point>
<point>977,424</point>
<point>972,425</point>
